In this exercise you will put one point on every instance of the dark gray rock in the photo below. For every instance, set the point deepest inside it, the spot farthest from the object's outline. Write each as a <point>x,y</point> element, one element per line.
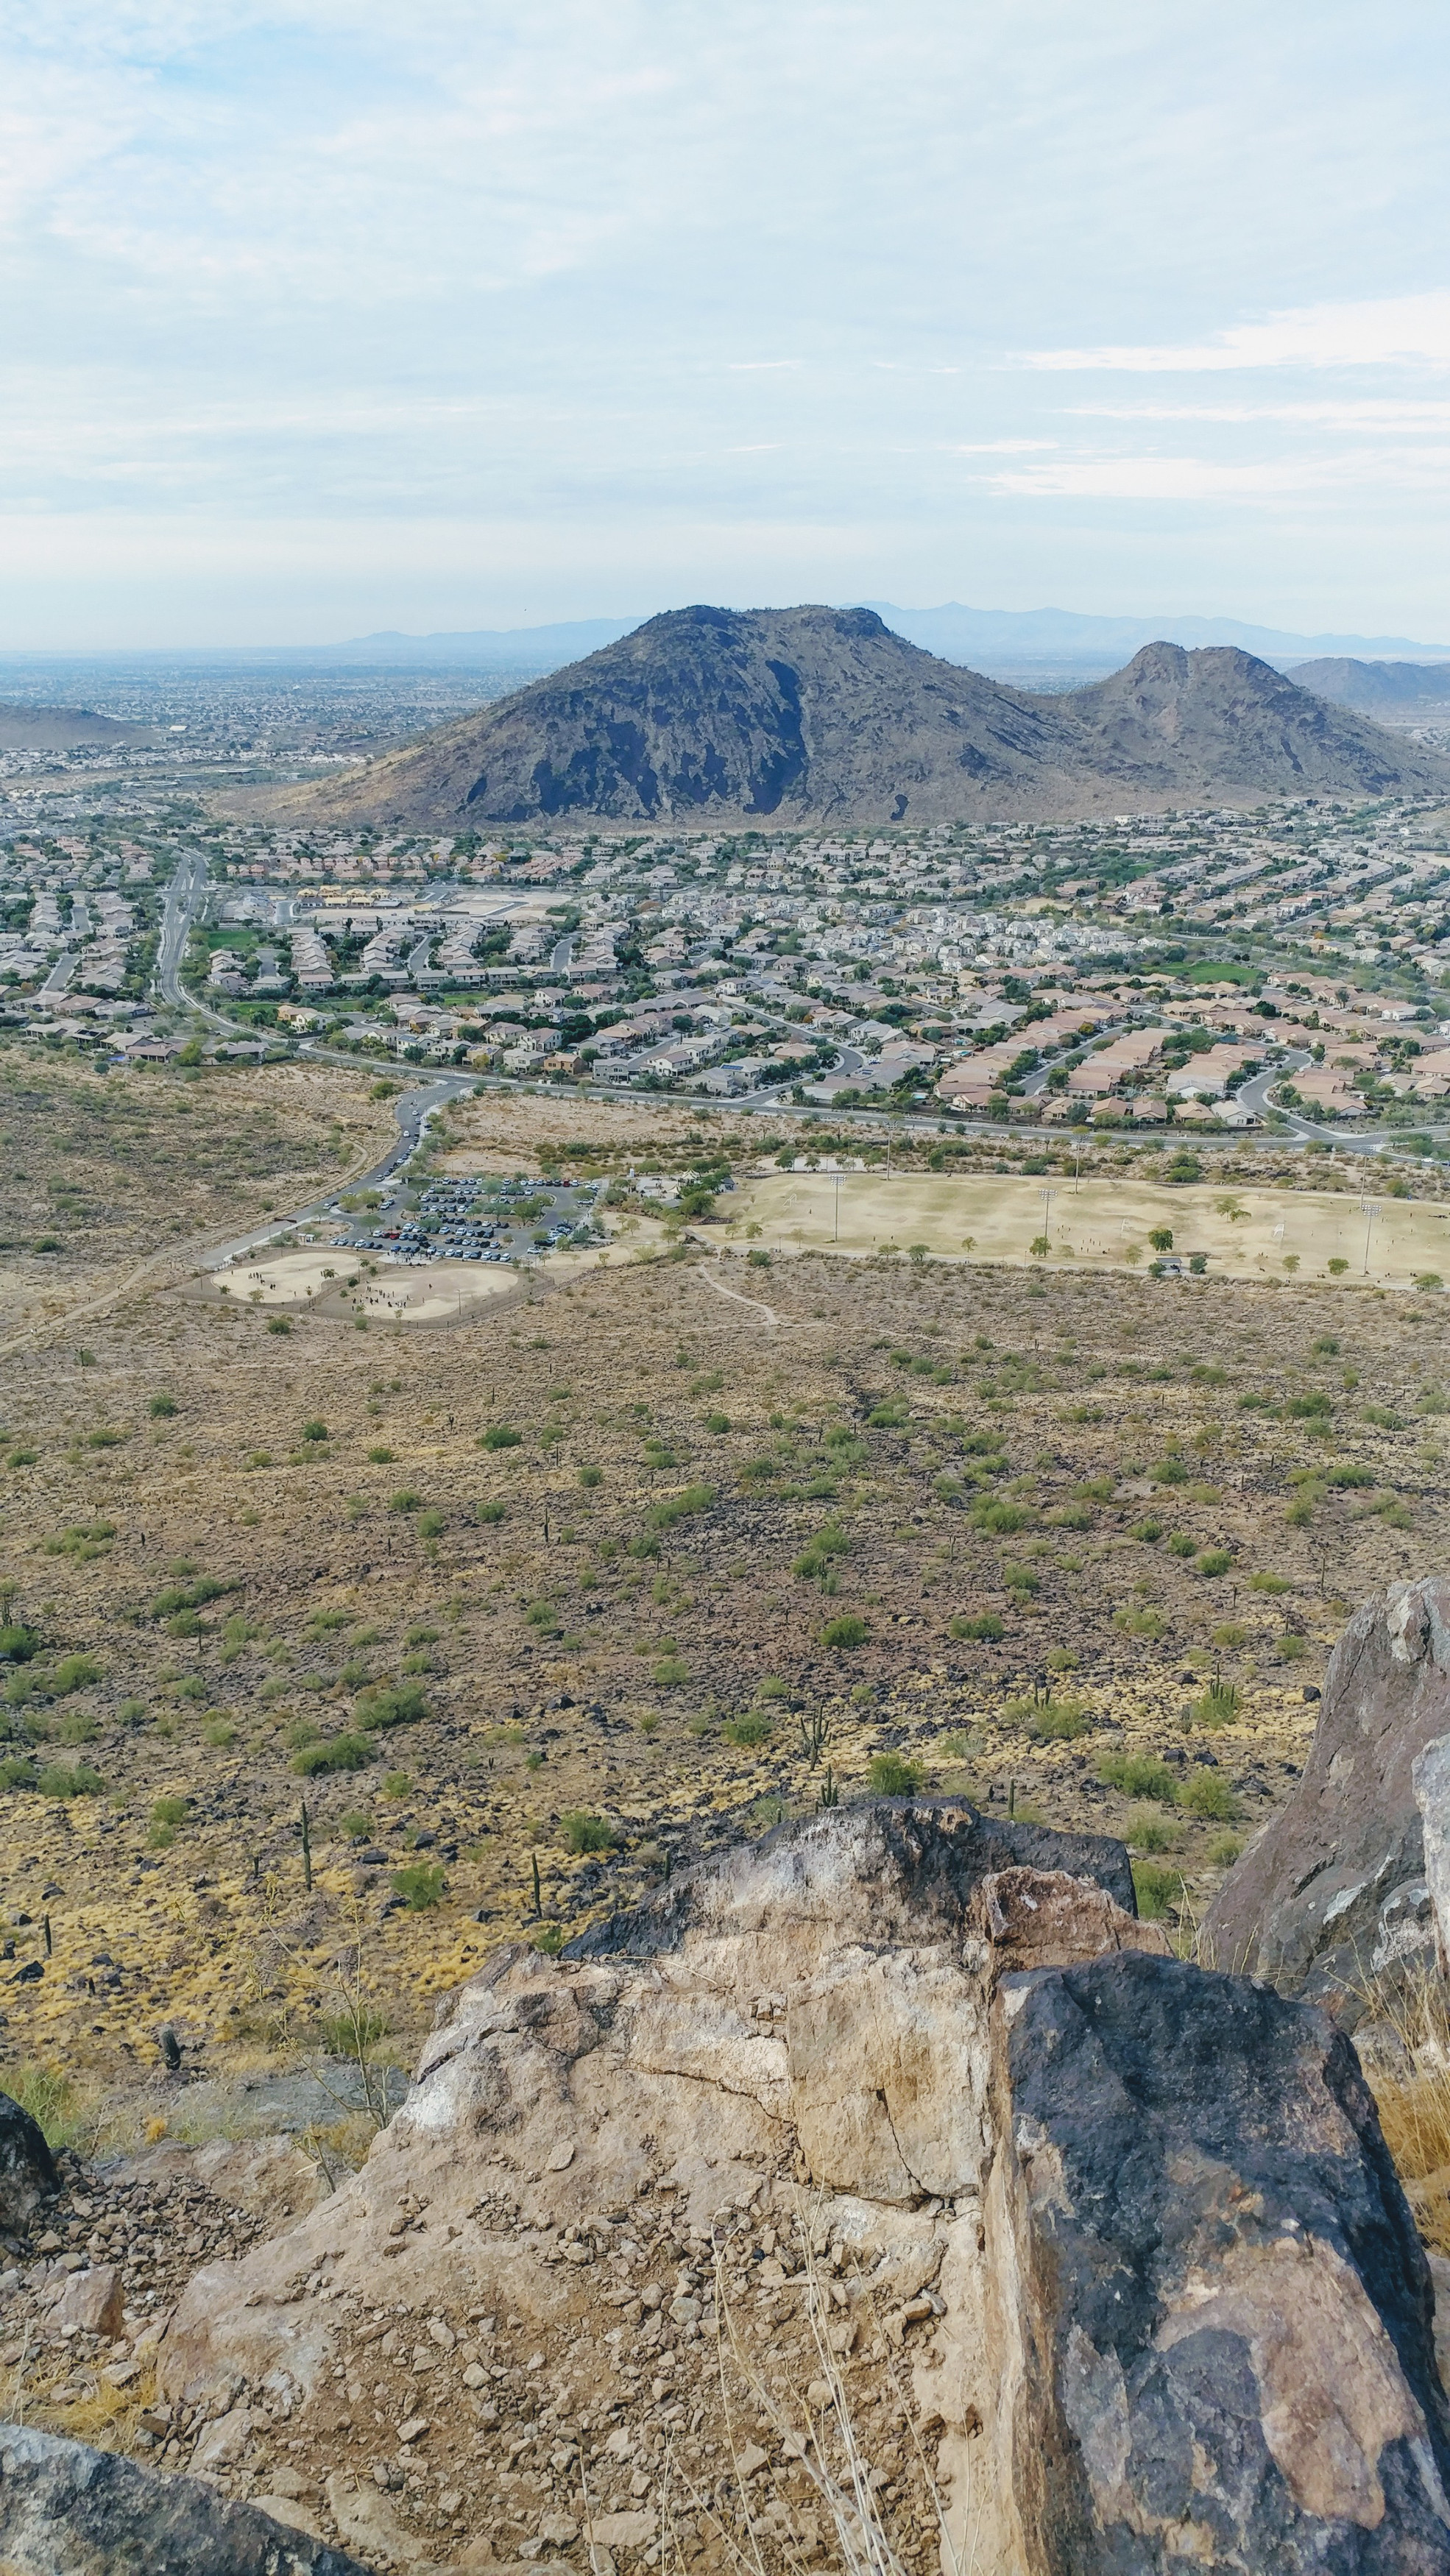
<point>27,2170</point>
<point>1333,1893</point>
<point>1216,2314</point>
<point>66,2510</point>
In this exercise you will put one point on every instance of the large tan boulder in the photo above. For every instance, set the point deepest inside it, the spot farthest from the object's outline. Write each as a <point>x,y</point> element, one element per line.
<point>814,2137</point>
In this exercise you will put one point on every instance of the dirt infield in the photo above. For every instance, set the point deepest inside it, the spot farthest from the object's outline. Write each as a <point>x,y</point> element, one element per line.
<point>1248,1233</point>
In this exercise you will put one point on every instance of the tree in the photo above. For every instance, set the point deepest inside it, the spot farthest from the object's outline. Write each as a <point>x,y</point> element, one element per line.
<point>1161,1238</point>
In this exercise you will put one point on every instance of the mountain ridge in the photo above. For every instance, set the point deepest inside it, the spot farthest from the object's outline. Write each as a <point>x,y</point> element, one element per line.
<point>708,715</point>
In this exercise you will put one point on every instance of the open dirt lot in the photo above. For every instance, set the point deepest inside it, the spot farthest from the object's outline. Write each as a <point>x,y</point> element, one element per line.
<point>1247,1233</point>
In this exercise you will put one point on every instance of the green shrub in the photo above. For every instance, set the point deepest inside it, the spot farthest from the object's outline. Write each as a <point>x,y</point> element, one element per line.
<point>279,1324</point>
<point>680,1507</point>
<point>1214,1561</point>
<point>848,1630</point>
<point>189,1596</point>
<point>670,1672</point>
<point>73,1673</point>
<point>314,1431</point>
<point>1156,1889</point>
<point>985,1626</point>
<point>405,1500</point>
<point>169,1811</point>
<point>397,1785</point>
<point>419,1886</point>
<point>717,1422</point>
<point>893,1776</point>
<point>16,1773</point>
<point>431,1524</point>
<point>998,1518</point>
<point>1224,1850</point>
<point>589,1477</point>
<point>489,1513</point>
<point>83,1543</point>
<point>501,1435</point>
<point>753,1728</point>
<point>1292,1647</point>
<point>1148,1532</point>
<point>889,1416</point>
<point>1058,1721</point>
<point>1207,1794</point>
<point>1138,1775</point>
<point>348,2034</point>
<point>339,1753</point>
<point>381,1456</point>
<point>1349,1473</point>
<point>1273,1584</point>
<point>106,1439</point>
<point>402,1704</point>
<point>1181,1544</point>
<point>18,1645</point>
<point>584,1832</point>
<point>1149,1831</point>
<point>221,1735</point>
<point>56,1782</point>
<point>1219,1705</point>
<point>162,1407</point>
<point>78,1727</point>
<point>1139,1623</point>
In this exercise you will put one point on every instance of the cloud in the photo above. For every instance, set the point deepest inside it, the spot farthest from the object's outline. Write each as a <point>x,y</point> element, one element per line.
<point>1200,478</point>
<point>1394,330</point>
<point>1409,417</point>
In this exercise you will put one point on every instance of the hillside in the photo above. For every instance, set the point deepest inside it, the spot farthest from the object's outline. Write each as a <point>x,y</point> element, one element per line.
<point>1393,690</point>
<point>26,728</point>
<point>711,715</point>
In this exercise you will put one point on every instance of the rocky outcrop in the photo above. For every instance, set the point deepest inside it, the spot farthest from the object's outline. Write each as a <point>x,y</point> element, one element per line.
<point>27,2169</point>
<point>900,2116</point>
<point>1333,1893</point>
<point>66,2510</point>
<point>1213,2313</point>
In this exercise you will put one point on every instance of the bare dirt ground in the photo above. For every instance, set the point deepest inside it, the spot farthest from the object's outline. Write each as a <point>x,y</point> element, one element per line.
<point>1246,1233</point>
<point>103,1177</point>
<point>644,1559</point>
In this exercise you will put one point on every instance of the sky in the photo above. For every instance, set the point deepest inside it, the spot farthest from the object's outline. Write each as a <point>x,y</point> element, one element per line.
<point>328,317</point>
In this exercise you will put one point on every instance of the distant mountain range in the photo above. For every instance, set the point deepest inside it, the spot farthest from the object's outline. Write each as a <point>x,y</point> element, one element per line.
<point>996,636</point>
<point>1394,690</point>
<point>713,715</point>
<point>991,639</point>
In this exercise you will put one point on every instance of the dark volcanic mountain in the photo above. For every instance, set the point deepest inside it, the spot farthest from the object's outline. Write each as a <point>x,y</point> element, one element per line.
<point>709,715</point>
<point>1402,690</point>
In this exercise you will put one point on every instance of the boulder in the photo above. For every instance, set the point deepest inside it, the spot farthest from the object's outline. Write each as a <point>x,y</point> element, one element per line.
<point>27,2171</point>
<point>1333,1892</point>
<point>91,2303</point>
<point>66,2510</point>
<point>900,2103</point>
<point>1212,2311</point>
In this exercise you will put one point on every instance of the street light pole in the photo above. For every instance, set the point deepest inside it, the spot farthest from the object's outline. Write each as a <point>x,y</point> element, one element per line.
<point>1370,1210</point>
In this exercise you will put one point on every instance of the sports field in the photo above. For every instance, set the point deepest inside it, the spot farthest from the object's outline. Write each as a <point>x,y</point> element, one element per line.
<point>1250,1234</point>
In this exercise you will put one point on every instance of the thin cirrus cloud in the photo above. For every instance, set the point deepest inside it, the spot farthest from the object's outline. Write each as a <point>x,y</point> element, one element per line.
<point>1207,479</point>
<point>1385,418</point>
<point>1402,330</point>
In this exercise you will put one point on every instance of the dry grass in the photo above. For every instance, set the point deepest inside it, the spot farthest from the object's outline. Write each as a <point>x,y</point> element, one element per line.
<point>1410,2080</point>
